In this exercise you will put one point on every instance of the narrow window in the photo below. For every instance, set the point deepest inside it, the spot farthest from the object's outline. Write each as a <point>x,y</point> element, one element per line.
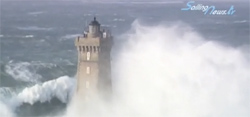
<point>88,70</point>
<point>88,56</point>
<point>94,49</point>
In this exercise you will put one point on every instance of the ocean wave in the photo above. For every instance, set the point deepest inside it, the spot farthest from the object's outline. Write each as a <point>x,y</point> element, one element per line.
<point>87,14</point>
<point>221,22</point>
<point>105,25</point>
<point>34,28</point>
<point>6,92</point>
<point>117,19</point>
<point>241,21</point>
<point>26,71</point>
<point>61,88</point>
<point>16,36</point>
<point>69,36</point>
<point>63,61</point>
<point>35,13</point>
<point>29,36</point>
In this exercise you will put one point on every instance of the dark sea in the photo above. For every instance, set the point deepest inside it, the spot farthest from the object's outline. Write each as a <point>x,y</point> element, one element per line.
<point>39,59</point>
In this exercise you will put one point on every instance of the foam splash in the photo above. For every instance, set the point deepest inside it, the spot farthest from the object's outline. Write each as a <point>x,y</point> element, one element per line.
<point>62,88</point>
<point>173,72</point>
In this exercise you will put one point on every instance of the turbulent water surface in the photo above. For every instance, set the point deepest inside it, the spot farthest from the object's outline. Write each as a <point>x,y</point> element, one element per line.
<point>166,62</point>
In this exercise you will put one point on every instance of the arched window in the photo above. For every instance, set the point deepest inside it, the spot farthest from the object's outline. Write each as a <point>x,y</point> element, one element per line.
<point>88,70</point>
<point>94,49</point>
<point>88,56</point>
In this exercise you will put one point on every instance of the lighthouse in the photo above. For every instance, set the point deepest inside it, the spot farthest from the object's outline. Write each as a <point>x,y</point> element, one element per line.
<point>94,61</point>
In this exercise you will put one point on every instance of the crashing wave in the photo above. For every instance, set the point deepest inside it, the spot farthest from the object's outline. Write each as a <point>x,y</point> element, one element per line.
<point>61,88</point>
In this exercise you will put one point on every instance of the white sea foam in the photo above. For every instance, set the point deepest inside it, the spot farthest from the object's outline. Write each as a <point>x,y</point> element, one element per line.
<point>29,36</point>
<point>26,71</point>
<point>241,21</point>
<point>106,25</point>
<point>63,61</point>
<point>34,28</point>
<point>119,19</point>
<point>36,13</point>
<point>61,88</point>
<point>172,72</point>
<point>22,71</point>
<point>88,14</point>
<point>69,36</point>
<point>6,92</point>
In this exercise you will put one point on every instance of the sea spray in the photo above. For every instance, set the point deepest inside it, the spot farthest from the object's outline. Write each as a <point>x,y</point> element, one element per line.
<point>5,111</point>
<point>61,88</point>
<point>172,72</point>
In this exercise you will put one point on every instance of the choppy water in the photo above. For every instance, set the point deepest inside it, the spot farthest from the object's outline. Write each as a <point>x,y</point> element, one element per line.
<point>38,57</point>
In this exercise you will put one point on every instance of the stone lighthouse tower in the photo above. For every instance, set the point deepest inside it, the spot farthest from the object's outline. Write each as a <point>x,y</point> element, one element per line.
<point>94,61</point>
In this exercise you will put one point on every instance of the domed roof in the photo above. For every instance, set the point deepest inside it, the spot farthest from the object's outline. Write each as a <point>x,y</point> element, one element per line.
<point>94,22</point>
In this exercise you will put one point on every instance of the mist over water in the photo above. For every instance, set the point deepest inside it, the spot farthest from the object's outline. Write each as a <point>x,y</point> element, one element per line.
<point>172,71</point>
<point>5,111</point>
